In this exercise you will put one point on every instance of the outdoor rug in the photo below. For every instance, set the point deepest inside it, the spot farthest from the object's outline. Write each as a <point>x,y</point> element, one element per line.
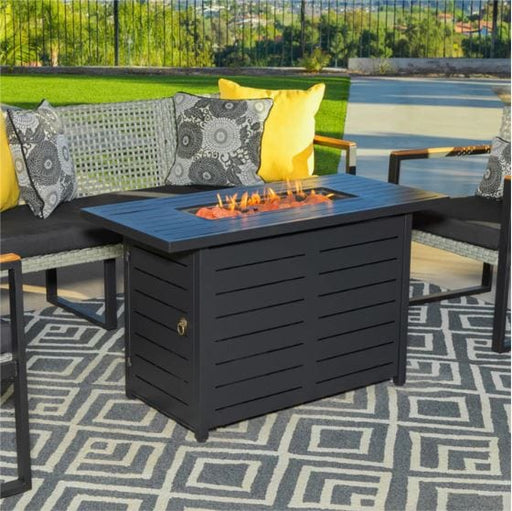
<point>439,442</point>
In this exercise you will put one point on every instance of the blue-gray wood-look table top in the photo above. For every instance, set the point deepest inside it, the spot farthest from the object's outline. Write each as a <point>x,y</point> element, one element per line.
<point>162,223</point>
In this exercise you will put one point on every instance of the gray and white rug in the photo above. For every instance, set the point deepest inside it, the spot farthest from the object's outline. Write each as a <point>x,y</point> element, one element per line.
<point>440,442</point>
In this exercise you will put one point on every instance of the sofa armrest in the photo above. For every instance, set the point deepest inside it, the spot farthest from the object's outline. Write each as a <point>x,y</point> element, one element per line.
<point>344,145</point>
<point>396,157</point>
<point>7,260</point>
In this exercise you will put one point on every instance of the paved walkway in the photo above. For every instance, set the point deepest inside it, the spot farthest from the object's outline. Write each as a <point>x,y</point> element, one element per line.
<point>404,113</point>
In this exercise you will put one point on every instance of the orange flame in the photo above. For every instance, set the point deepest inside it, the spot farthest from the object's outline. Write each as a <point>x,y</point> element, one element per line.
<point>244,200</point>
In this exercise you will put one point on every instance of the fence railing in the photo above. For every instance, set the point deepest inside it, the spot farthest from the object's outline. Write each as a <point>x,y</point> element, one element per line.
<point>198,33</point>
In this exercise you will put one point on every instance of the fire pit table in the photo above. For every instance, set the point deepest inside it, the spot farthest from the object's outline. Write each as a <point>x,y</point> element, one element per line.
<point>232,318</point>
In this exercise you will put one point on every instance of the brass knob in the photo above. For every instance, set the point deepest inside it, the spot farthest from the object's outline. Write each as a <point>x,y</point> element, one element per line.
<point>181,327</point>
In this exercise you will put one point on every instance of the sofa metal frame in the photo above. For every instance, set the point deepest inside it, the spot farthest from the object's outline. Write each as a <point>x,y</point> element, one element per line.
<point>13,367</point>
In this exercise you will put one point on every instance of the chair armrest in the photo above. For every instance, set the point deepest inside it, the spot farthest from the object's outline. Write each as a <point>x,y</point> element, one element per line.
<point>396,157</point>
<point>344,145</point>
<point>8,260</point>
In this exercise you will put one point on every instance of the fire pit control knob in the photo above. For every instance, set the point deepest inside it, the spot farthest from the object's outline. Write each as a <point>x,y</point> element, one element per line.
<point>181,327</point>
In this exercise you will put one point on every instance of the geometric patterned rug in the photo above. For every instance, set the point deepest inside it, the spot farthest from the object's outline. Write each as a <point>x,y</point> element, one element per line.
<point>440,442</point>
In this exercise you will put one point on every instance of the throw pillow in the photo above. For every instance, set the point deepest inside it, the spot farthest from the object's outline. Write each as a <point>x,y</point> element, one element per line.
<point>9,190</point>
<point>498,167</point>
<point>218,141</point>
<point>45,170</point>
<point>287,146</point>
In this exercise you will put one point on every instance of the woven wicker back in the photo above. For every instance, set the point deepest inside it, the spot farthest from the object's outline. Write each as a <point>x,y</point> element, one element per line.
<point>120,146</point>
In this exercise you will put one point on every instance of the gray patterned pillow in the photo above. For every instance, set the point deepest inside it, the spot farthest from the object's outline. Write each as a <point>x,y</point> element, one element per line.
<point>44,168</point>
<point>219,141</point>
<point>498,167</point>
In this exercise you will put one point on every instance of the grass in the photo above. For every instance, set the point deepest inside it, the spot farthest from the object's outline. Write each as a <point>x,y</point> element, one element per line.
<point>27,91</point>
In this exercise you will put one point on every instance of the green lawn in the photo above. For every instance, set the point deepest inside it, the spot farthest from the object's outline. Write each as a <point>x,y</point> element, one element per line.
<point>28,90</point>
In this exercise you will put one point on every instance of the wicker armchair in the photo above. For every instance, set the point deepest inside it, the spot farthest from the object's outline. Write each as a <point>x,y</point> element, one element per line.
<point>472,227</point>
<point>13,368</point>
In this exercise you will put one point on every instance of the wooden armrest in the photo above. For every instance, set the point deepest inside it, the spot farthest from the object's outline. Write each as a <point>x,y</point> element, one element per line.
<point>337,143</point>
<point>9,261</point>
<point>442,152</point>
<point>344,145</point>
<point>9,258</point>
<point>396,157</point>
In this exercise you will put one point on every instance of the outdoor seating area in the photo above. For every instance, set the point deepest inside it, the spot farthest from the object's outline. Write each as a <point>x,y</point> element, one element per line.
<point>249,353</point>
<point>253,290</point>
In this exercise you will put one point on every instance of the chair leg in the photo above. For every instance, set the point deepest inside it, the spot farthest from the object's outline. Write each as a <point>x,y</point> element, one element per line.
<point>501,302</point>
<point>24,481</point>
<point>109,319</point>
<point>484,287</point>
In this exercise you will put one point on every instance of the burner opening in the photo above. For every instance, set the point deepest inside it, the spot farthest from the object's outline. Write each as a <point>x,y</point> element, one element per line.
<point>269,200</point>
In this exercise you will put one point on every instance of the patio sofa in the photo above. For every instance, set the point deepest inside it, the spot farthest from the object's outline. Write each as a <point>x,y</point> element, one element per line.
<point>122,151</point>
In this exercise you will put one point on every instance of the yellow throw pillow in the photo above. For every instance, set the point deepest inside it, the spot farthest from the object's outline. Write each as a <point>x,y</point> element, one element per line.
<point>9,190</point>
<point>287,144</point>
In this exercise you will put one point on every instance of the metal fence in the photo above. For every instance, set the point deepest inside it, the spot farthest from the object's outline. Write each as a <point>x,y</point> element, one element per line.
<point>198,33</point>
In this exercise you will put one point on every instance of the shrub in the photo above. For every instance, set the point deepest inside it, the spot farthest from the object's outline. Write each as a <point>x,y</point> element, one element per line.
<point>315,61</point>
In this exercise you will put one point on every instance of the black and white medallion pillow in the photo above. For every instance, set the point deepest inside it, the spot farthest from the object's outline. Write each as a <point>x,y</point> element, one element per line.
<point>40,150</point>
<point>219,140</point>
<point>498,167</point>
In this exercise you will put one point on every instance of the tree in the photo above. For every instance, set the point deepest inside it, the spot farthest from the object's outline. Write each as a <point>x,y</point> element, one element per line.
<point>422,38</point>
<point>337,47</point>
<point>343,45</point>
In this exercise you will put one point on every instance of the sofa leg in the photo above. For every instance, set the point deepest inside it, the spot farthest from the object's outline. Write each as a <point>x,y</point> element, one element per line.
<point>501,302</point>
<point>18,366</point>
<point>109,319</point>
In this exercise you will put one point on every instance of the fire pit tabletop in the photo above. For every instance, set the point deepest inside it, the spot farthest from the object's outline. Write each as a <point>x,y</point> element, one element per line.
<point>168,224</point>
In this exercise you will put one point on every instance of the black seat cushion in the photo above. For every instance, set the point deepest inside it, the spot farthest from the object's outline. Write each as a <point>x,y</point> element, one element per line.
<point>473,220</point>
<point>65,229</point>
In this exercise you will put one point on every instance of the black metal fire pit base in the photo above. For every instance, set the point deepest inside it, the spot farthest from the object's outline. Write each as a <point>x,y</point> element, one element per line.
<point>234,318</point>
<point>265,324</point>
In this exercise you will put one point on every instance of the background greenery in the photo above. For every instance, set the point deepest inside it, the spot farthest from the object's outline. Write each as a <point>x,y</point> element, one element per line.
<point>27,91</point>
<point>196,33</point>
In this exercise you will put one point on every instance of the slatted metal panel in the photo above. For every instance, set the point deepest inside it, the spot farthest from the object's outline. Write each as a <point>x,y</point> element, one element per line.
<point>294,318</point>
<point>161,361</point>
<point>254,327</point>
